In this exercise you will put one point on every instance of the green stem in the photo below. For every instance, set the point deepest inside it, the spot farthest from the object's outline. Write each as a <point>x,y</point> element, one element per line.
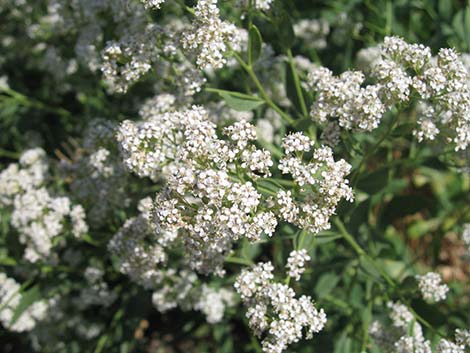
<point>302,236</point>
<point>372,150</point>
<point>238,260</point>
<point>10,298</point>
<point>9,154</point>
<point>298,87</point>
<point>351,241</point>
<point>187,8</point>
<point>259,86</point>
<point>32,103</point>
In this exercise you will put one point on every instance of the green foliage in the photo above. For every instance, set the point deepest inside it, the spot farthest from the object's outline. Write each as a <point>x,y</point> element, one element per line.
<point>410,198</point>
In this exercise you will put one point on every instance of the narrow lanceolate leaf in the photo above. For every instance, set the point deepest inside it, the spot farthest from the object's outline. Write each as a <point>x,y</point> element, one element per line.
<point>238,101</point>
<point>28,298</point>
<point>466,25</point>
<point>254,44</point>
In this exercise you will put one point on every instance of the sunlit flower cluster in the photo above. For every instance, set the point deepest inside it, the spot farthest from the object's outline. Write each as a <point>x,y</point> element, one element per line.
<point>402,72</point>
<point>10,299</point>
<point>322,181</point>
<point>37,215</point>
<point>208,36</point>
<point>431,287</point>
<point>274,312</point>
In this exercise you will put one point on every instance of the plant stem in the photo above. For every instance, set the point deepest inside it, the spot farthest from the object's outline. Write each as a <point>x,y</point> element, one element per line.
<point>351,241</point>
<point>9,154</point>
<point>298,87</point>
<point>238,260</point>
<point>259,86</point>
<point>372,150</point>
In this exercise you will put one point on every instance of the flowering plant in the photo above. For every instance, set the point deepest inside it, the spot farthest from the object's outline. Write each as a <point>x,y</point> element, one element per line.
<point>234,176</point>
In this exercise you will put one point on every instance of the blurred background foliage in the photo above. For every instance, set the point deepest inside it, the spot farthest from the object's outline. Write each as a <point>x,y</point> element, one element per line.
<point>411,199</point>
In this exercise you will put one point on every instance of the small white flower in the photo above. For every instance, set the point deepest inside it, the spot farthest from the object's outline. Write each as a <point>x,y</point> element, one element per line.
<point>431,288</point>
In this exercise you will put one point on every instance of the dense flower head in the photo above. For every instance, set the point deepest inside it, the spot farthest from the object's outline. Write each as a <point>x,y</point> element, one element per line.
<point>313,32</point>
<point>10,298</point>
<point>296,263</point>
<point>228,176</point>
<point>202,171</point>
<point>152,4</point>
<point>126,60</point>
<point>403,73</point>
<point>322,182</point>
<point>36,214</point>
<point>208,36</point>
<point>343,97</point>
<point>274,312</point>
<point>405,334</point>
<point>431,287</point>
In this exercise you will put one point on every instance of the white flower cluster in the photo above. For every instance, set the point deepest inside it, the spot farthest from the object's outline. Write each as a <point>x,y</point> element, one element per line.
<point>139,250</point>
<point>263,5</point>
<point>402,71</point>
<point>152,4</point>
<point>96,292</point>
<point>296,263</point>
<point>212,303</point>
<point>446,346</point>
<point>356,107</point>
<point>38,216</point>
<point>182,289</point>
<point>274,312</point>
<point>127,60</point>
<point>10,298</point>
<point>431,287</point>
<point>462,337</point>
<point>208,35</point>
<point>441,82</point>
<point>159,104</point>
<point>313,32</point>
<point>98,178</point>
<point>29,173</point>
<point>405,335</point>
<point>322,181</point>
<point>142,254</point>
<point>204,194</point>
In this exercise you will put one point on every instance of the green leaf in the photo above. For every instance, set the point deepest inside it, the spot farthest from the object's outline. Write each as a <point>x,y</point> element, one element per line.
<point>27,299</point>
<point>404,205</point>
<point>466,25</point>
<point>409,284</point>
<point>285,34</point>
<point>343,345</point>
<point>238,101</point>
<point>326,284</point>
<point>459,24</point>
<point>7,261</point>
<point>445,8</point>
<point>368,268</point>
<point>373,182</point>
<point>326,237</point>
<point>421,228</point>
<point>291,90</point>
<point>429,312</point>
<point>241,104</point>
<point>255,42</point>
